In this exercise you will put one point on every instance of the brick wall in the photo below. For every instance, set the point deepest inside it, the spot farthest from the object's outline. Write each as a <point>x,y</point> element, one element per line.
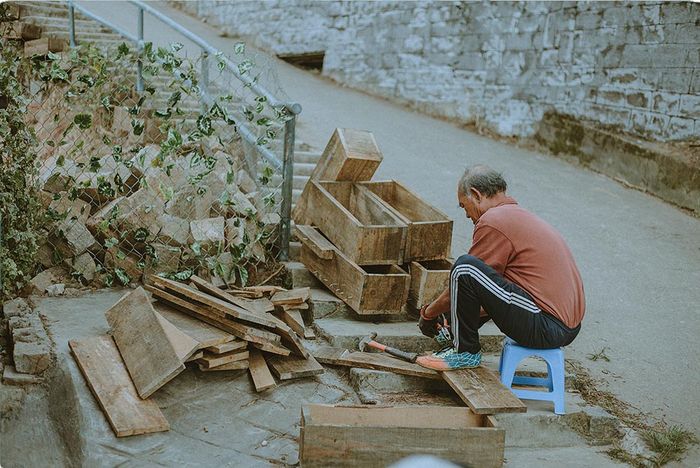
<point>498,65</point>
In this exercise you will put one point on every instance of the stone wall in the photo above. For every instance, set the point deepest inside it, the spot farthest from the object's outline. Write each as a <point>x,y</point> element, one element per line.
<point>633,66</point>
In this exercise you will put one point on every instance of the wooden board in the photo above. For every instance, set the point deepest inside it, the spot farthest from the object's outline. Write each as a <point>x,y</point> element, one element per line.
<point>263,339</point>
<point>356,221</point>
<point>259,372</point>
<point>292,297</point>
<point>227,347</point>
<point>294,320</point>
<point>236,365</point>
<point>429,278</point>
<point>350,155</point>
<point>216,360</point>
<point>205,334</point>
<point>293,367</point>
<point>184,345</point>
<point>103,368</point>
<point>309,334</point>
<point>259,306</point>
<point>43,46</point>
<point>377,361</point>
<point>481,389</point>
<point>149,356</point>
<point>378,290</point>
<point>429,234</point>
<point>215,303</point>
<point>195,356</point>
<point>380,436</point>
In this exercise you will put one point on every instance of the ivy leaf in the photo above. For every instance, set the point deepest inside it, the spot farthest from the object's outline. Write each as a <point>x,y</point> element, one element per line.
<point>242,274</point>
<point>204,125</point>
<point>122,50</point>
<point>239,48</point>
<point>111,242</point>
<point>141,234</point>
<point>138,126</point>
<point>176,46</point>
<point>122,276</point>
<point>83,121</point>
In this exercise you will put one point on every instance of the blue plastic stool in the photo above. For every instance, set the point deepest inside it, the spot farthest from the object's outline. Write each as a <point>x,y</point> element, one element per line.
<point>511,356</point>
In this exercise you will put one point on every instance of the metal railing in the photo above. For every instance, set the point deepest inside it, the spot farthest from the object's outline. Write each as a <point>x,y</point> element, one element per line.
<point>293,108</point>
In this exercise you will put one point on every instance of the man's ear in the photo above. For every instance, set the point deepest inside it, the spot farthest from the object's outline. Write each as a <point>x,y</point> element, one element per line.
<point>475,194</point>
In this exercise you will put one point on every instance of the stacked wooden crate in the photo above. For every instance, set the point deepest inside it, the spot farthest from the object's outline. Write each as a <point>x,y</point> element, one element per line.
<point>361,237</point>
<point>215,329</point>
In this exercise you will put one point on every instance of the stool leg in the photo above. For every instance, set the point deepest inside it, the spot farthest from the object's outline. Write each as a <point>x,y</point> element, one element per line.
<point>558,391</point>
<point>509,365</point>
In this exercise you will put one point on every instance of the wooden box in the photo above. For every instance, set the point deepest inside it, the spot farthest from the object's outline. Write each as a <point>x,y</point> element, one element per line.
<point>350,155</point>
<point>368,290</point>
<point>429,278</point>
<point>378,436</point>
<point>429,229</point>
<point>364,228</point>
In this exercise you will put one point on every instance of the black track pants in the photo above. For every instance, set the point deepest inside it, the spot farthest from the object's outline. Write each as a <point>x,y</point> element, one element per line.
<point>474,284</point>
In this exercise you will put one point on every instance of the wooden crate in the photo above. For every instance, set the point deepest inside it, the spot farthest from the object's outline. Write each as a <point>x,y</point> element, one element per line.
<point>368,290</point>
<point>429,278</point>
<point>363,227</point>
<point>350,155</point>
<point>429,229</point>
<point>378,436</point>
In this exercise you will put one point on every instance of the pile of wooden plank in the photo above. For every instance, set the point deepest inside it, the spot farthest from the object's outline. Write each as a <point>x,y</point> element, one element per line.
<point>153,337</point>
<point>360,237</point>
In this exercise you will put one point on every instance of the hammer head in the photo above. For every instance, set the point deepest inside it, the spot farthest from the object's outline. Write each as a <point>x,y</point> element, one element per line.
<point>363,342</point>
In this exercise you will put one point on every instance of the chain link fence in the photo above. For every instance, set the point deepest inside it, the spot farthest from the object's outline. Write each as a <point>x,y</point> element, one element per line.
<point>158,181</point>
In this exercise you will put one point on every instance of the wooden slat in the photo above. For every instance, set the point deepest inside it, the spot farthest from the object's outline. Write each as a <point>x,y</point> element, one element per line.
<point>342,357</point>
<point>293,367</point>
<point>143,343</point>
<point>227,347</point>
<point>195,356</point>
<point>205,334</point>
<point>293,319</point>
<point>322,247</point>
<point>309,334</point>
<point>291,297</point>
<point>216,360</point>
<point>103,368</point>
<point>481,389</point>
<point>183,344</point>
<point>259,306</point>
<point>259,372</point>
<point>227,308</point>
<point>236,365</point>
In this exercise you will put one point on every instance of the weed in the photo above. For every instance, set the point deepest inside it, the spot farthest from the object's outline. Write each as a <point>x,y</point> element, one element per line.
<point>669,444</point>
<point>599,355</point>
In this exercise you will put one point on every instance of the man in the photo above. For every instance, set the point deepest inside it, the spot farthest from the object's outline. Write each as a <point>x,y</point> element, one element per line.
<point>519,273</point>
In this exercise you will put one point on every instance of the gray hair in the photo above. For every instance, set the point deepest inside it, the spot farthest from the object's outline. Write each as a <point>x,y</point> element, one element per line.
<point>486,180</point>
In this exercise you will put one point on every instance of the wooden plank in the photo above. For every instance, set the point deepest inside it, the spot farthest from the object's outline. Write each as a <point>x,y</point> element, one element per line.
<point>429,229</point>
<point>265,340</point>
<point>259,372</point>
<point>292,297</point>
<point>481,389</point>
<point>379,290</point>
<point>205,334</point>
<point>143,343</point>
<point>303,306</point>
<point>429,278</point>
<point>350,155</point>
<point>227,347</point>
<point>377,361</point>
<point>322,247</point>
<point>293,367</point>
<point>258,306</point>
<point>294,320</point>
<point>374,436</point>
<point>361,226</point>
<point>199,354</point>
<point>227,308</point>
<point>309,334</point>
<point>105,373</point>
<point>236,365</point>
<point>183,344</point>
<point>43,46</point>
<point>216,360</point>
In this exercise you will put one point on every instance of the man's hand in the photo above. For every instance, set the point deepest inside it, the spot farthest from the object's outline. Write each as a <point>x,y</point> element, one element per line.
<point>427,326</point>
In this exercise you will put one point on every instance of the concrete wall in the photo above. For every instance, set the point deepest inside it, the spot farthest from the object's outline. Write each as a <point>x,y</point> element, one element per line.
<point>635,66</point>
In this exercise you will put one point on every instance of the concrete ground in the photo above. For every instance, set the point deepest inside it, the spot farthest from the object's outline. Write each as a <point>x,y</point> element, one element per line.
<point>639,257</point>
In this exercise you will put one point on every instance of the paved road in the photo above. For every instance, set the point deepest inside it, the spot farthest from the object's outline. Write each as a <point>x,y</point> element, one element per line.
<point>639,257</point>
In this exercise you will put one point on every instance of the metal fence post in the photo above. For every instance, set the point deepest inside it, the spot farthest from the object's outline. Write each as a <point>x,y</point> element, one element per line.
<point>204,72</point>
<point>287,187</point>
<point>71,23</point>
<point>139,64</point>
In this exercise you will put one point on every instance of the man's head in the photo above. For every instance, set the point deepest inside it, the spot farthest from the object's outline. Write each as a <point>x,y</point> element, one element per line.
<point>479,189</point>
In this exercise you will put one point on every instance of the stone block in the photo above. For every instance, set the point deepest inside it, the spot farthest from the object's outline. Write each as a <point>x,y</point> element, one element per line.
<point>139,212</point>
<point>161,259</point>
<point>66,209</point>
<point>681,129</point>
<point>56,290</point>
<point>234,231</point>
<point>10,376</point>
<point>46,278</point>
<point>73,238</point>
<point>690,106</point>
<point>31,358</point>
<point>102,223</point>
<point>16,308</point>
<point>128,264</point>
<point>173,230</point>
<point>57,176</point>
<point>188,204</point>
<point>85,266</point>
<point>244,182</point>
<point>209,233</point>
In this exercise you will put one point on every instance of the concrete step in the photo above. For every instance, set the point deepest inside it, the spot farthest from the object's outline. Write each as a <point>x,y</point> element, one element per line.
<point>346,333</point>
<point>324,304</point>
<point>306,157</point>
<point>89,36</point>
<point>52,23</point>
<point>303,169</point>
<point>300,181</point>
<point>301,276</point>
<point>294,251</point>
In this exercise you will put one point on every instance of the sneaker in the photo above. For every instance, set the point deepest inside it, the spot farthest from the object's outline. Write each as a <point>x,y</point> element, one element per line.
<point>443,337</point>
<point>449,359</point>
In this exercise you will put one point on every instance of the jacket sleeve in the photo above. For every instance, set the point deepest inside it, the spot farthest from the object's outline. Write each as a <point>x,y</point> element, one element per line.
<point>492,247</point>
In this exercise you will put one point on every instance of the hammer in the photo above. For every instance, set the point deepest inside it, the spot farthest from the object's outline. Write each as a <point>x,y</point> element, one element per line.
<point>369,341</point>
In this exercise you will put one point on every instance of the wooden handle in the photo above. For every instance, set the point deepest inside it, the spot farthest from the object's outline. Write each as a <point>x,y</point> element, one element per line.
<point>318,244</point>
